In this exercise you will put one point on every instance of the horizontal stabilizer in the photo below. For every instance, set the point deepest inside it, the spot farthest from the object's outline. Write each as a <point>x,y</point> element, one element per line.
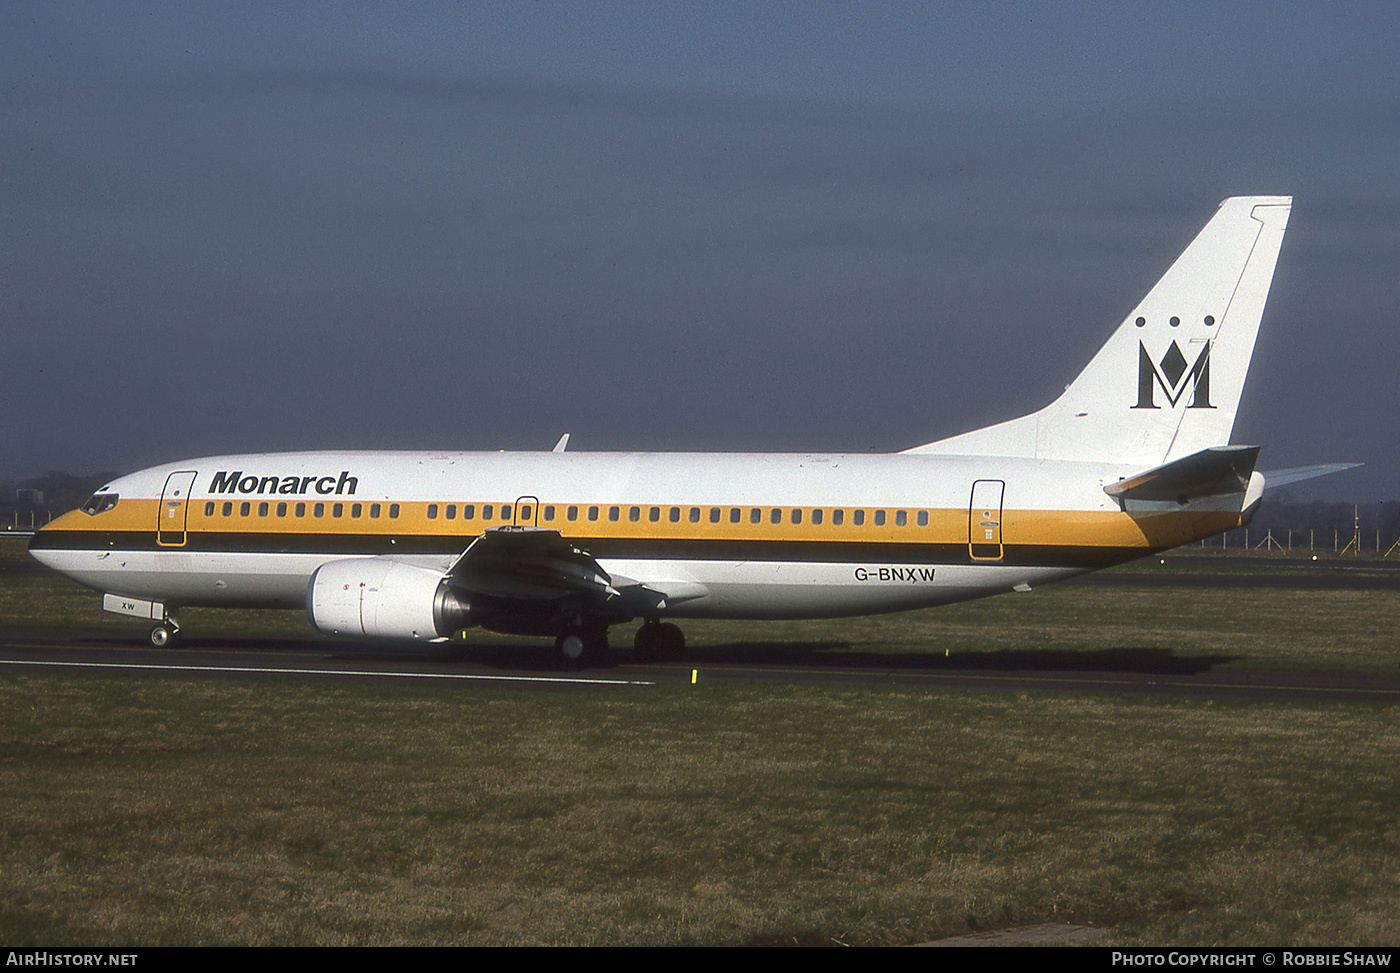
<point>1278,478</point>
<point>1217,471</point>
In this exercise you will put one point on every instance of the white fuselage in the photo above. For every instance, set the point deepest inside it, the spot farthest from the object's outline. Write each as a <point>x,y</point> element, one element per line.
<point>735,535</point>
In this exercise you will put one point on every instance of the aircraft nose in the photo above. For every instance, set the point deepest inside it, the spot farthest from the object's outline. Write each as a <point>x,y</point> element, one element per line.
<point>42,546</point>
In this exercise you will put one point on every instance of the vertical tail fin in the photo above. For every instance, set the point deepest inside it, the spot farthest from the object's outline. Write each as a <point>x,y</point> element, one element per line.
<point>1168,382</point>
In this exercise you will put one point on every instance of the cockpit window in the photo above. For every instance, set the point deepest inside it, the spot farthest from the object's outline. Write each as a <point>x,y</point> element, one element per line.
<point>99,503</point>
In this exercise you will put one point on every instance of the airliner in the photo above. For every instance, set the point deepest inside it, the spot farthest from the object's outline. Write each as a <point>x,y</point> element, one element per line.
<point>1133,458</point>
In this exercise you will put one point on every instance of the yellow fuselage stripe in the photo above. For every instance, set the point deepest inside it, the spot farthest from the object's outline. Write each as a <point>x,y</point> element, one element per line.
<point>1019,527</point>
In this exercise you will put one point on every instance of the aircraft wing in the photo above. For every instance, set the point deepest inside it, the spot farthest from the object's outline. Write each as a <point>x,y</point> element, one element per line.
<point>529,563</point>
<point>538,564</point>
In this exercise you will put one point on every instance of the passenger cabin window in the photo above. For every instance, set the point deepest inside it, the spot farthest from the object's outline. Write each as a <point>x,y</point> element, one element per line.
<point>262,509</point>
<point>432,511</point>
<point>923,518</point>
<point>282,509</point>
<point>838,517</point>
<point>301,510</point>
<point>209,509</point>
<point>451,511</point>
<point>374,509</point>
<point>879,518</point>
<point>393,511</point>
<point>817,516</point>
<point>592,513</point>
<point>100,503</point>
<point>337,509</point>
<point>900,518</point>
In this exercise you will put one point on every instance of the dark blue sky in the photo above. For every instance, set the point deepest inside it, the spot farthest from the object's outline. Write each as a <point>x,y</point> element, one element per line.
<point>700,226</point>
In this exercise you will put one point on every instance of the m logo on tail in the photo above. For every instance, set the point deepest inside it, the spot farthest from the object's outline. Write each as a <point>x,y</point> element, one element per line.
<point>1174,376</point>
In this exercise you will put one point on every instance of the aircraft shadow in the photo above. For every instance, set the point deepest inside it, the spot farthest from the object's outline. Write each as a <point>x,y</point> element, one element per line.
<point>1146,659</point>
<point>531,657</point>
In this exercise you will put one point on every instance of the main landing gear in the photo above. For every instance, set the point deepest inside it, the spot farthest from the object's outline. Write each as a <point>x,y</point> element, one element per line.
<point>586,645</point>
<point>659,640</point>
<point>582,645</point>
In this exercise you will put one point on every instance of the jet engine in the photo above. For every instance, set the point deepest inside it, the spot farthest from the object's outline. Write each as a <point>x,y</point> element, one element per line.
<point>380,597</point>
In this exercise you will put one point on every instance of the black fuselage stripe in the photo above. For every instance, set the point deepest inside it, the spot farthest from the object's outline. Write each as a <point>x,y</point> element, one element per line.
<point>693,549</point>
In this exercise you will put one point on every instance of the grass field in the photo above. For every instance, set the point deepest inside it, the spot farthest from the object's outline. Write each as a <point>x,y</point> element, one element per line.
<point>140,809</point>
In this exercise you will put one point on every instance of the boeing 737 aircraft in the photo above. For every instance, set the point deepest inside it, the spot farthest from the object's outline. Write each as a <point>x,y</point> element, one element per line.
<point>1133,458</point>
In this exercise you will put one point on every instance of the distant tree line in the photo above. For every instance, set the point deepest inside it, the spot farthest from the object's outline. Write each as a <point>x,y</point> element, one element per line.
<point>41,498</point>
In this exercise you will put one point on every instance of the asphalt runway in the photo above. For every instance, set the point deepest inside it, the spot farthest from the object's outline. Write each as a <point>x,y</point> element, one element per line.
<point>1225,571</point>
<point>1154,672</point>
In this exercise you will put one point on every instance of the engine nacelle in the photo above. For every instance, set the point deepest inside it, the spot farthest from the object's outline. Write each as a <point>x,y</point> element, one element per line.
<point>379,597</point>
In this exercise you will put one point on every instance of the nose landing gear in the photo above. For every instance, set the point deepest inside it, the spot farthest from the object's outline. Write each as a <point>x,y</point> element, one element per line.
<point>166,634</point>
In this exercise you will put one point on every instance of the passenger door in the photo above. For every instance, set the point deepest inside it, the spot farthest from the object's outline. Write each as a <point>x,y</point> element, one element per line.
<point>526,513</point>
<point>984,520</point>
<point>174,509</point>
